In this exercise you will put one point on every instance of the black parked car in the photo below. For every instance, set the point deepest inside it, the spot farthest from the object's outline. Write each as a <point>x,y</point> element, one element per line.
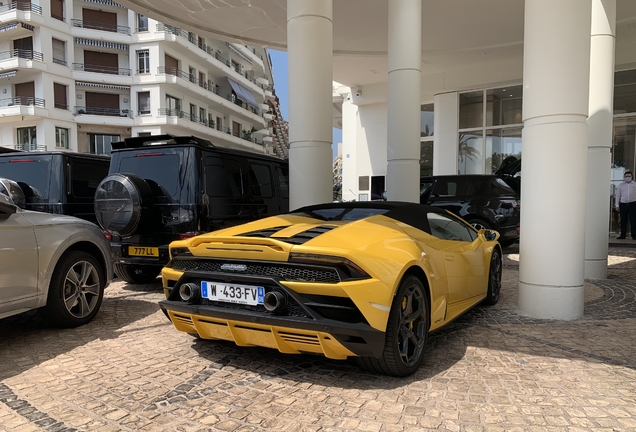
<point>165,188</point>
<point>486,201</point>
<point>57,182</point>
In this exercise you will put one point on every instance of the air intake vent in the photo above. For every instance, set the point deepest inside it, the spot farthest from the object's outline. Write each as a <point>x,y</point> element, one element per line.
<point>305,236</point>
<point>264,233</point>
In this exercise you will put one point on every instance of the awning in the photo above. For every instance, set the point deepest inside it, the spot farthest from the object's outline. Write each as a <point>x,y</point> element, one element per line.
<point>102,86</point>
<point>8,74</point>
<point>242,93</point>
<point>8,27</point>
<point>101,44</point>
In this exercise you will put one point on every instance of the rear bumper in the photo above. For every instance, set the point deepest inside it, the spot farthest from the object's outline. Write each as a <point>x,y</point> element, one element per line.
<point>292,335</point>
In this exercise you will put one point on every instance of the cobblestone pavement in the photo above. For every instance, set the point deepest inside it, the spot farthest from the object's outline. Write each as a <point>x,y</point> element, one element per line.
<point>492,370</point>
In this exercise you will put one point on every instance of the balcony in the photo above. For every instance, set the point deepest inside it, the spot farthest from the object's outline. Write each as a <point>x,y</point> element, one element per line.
<point>191,37</point>
<point>163,70</point>
<point>30,147</point>
<point>111,70</point>
<point>110,112</point>
<point>21,6</point>
<point>170,112</point>
<point>100,26</point>
<point>23,54</point>
<point>22,101</point>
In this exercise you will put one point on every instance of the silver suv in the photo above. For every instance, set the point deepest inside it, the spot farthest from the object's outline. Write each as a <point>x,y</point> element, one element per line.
<point>57,264</point>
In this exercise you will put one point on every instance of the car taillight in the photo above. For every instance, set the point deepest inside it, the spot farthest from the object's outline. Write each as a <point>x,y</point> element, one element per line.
<point>350,269</point>
<point>107,235</point>
<point>21,160</point>
<point>188,235</point>
<point>148,154</point>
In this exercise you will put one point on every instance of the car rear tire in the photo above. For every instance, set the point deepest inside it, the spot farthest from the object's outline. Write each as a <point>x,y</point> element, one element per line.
<point>137,274</point>
<point>124,203</point>
<point>76,290</point>
<point>494,278</point>
<point>406,331</point>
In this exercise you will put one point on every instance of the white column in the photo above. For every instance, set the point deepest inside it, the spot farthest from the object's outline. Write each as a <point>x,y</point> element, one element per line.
<point>405,59</point>
<point>309,48</point>
<point>555,105</point>
<point>446,133</point>
<point>600,137</point>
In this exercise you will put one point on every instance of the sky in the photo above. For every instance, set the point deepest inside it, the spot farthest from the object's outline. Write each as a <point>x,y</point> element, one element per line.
<point>279,65</point>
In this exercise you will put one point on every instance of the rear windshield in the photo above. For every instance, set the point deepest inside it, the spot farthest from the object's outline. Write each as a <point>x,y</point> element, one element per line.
<point>160,168</point>
<point>31,170</point>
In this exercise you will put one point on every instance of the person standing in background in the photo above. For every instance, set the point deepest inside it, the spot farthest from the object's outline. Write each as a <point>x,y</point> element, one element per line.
<point>626,204</point>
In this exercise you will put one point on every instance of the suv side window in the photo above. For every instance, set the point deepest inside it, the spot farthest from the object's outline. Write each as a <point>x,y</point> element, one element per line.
<point>446,228</point>
<point>85,177</point>
<point>260,179</point>
<point>223,177</point>
<point>500,187</point>
<point>447,188</point>
<point>283,180</point>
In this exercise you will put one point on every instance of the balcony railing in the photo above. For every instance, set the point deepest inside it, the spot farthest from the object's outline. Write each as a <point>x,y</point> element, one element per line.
<point>163,70</point>
<point>111,112</point>
<point>203,47</point>
<point>171,112</point>
<point>20,53</point>
<point>30,147</point>
<point>100,26</point>
<point>60,61</point>
<point>21,6</point>
<point>23,101</point>
<point>111,70</point>
<point>251,48</point>
<point>60,105</point>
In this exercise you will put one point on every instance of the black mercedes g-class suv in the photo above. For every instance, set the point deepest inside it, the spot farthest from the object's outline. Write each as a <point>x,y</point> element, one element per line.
<point>163,188</point>
<point>57,182</point>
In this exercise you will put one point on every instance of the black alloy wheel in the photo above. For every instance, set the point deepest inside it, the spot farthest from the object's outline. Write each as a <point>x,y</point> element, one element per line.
<point>406,332</point>
<point>494,278</point>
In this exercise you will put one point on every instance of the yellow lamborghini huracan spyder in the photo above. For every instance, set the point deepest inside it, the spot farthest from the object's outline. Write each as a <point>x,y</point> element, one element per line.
<point>362,279</point>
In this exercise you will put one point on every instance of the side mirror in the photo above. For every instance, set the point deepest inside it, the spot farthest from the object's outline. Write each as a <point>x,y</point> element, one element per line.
<point>488,234</point>
<point>7,207</point>
<point>13,190</point>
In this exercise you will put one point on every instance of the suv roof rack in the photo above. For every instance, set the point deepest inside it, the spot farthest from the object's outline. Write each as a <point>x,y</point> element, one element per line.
<point>154,140</point>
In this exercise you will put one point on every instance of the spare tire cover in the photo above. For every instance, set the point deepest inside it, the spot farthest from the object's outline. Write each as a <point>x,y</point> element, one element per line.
<point>121,200</point>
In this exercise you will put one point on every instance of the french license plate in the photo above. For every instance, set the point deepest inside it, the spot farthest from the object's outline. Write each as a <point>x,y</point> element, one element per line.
<point>143,251</point>
<point>241,294</point>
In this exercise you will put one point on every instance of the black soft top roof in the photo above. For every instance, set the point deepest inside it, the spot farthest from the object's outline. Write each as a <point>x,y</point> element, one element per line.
<point>412,214</point>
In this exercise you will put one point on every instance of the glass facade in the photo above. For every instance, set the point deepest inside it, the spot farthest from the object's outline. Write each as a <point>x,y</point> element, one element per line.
<point>490,124</point>
<point>426,139</point>
<point>101,144</point>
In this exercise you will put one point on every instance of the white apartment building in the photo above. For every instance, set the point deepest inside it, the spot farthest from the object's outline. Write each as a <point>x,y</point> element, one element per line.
<point>80,74</point>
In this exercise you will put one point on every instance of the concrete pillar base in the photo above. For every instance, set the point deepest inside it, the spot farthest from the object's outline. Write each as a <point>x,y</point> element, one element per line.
<point>551,302</point>
<point>596,269</point>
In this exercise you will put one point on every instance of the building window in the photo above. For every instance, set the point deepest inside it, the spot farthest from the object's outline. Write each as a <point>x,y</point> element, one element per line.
<point>202,116</point>
<point>236,129</point>
<point>60,96</point>
<point>426,139</point>
<point>143,61</point>
<point>59,52</point>
<point>236,66</point>
<point>143,102</point>
<point>219,123</point>
<point>490,123</point>
<point>193,112</point>
<point>173,106</point>
<point>61,137</point>
<point>27,139</point>
<point>193,74</point>
<point>57,9</point>
<point>142,23</point>
<point>101,144</point>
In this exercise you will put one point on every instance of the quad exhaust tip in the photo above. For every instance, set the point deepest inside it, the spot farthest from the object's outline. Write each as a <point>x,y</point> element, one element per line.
<point>274,301</point>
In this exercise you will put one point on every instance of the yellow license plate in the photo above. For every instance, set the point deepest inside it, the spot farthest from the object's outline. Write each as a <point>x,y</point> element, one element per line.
<point>143,251</point>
